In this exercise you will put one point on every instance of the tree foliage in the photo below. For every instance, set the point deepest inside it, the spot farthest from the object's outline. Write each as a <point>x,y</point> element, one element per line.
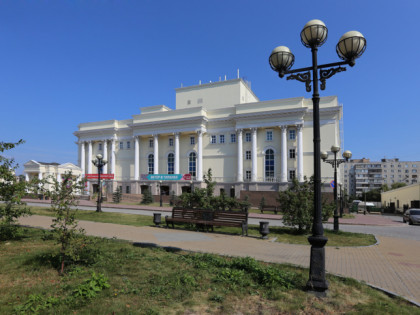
<point>117,195</point>
<point>65,228</point>
<point>297,204</point>
<point>203,198</point>
<point>11,192</point>
<point>147,197</point>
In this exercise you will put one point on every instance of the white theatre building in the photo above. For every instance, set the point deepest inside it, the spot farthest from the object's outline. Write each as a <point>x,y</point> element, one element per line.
<point>250,145</point>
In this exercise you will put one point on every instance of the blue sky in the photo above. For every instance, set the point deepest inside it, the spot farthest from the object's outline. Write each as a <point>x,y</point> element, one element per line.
<point>67,62</point>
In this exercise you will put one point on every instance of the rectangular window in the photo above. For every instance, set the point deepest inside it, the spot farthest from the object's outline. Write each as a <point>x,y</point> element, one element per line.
<point>269,135</point>
<point>127,189</point>
<point>192,140</point>
<point>292,134</point>
<point>233,137</point>
<point>292,154</point>
<point>128,145</point>
<point>248,175</point>
<point>213,139</point>
<point>292,174</point>
<point>100,146</point>
<point>222,138</point>
<point>150,143</point>
<point>247,155</point>
<point>121,145</point>
<point>248,137</point>
<point>171,142</point>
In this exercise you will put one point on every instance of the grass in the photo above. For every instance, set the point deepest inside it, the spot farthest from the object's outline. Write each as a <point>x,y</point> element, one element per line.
<point>137,280</point>
<point>282,234</point>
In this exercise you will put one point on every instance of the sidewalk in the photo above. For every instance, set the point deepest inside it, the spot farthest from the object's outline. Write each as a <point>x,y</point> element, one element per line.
<point>360,219</point>
<point>392,265</point>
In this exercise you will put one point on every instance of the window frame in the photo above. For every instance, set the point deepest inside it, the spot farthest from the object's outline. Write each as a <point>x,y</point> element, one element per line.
<point>292,134</point>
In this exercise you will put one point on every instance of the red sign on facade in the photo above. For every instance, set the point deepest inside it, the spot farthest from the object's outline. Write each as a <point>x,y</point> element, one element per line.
<point>103,176</point>
<point>186,177</point>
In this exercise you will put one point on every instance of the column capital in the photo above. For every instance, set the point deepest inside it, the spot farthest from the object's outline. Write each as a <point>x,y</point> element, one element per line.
<point>283,127</point>
<point>299,127</point>
<point>239,131</point>
<point>254,129</point>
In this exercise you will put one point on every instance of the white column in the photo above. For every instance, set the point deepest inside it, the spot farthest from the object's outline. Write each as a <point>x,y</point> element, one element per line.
<point>90,158</point>
<point>283,176</point>
<point>105,155</point>
<point>113,157</point>
<point>58,177</point>
<point>82,157</point>
<point>27,177</point>
<point>136,158</point>
<point>254,155</point>
<point>40,176</point>
<point>240,157</point>
<point>177,153</point>
<point>200,156</point>
<point>300,153</point>
<point>156,153</point>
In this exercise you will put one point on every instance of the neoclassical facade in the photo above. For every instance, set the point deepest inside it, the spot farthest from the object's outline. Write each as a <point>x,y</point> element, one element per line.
<point>249,144</point>
<point>42,170</point>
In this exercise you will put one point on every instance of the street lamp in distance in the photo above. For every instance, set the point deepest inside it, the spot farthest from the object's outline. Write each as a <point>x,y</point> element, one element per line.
<point>99,162</point>
<point>335,164</point>
<point>160,193</point>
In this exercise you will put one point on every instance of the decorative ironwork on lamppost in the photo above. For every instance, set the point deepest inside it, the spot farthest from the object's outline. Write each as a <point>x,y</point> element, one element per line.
<point>99,162</point>
<point>335,163</point>
<point>350,47</point>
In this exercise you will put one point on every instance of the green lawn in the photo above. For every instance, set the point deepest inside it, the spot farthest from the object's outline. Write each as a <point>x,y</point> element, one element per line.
<point>122,278</point>
<point>282,234</point>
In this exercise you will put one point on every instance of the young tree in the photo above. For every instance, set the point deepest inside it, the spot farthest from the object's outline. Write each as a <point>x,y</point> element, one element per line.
<point>297,203</point>
<point>117,195</point>
<point>65,227</point>
<point>11,192</point>
<point>147,197</point>
<point>208,179</point>
<point>262,203</point>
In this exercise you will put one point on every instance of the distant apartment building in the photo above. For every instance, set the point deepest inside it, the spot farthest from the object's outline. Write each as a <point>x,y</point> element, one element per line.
<point>362,175</point>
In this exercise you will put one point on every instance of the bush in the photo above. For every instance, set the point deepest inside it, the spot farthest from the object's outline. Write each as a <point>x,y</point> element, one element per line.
<point>147,197</point>
<point>297,203</point>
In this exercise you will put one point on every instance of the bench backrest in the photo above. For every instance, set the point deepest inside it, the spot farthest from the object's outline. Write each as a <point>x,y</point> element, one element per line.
<point>178,212</point>
<point>230,216</point>
<point>270,207</point>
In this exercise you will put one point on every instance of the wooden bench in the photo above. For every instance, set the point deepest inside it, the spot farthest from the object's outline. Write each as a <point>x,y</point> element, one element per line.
<point>269,208</point>
<point>208,218</point>
<point>231,218</point>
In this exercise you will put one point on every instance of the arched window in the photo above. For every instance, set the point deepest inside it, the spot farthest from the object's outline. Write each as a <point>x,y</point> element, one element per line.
<point>192,164</point>
<point>151,164</point>
<point>269,164</point>
<point>171,163</point>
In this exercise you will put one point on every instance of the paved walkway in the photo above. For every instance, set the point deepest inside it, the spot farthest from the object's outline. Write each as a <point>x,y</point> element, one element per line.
<point>359,219</point>
<point>392,265</point>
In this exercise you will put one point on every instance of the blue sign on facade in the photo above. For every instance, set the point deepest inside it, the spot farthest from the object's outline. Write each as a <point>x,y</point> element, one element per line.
<point>164,176</point>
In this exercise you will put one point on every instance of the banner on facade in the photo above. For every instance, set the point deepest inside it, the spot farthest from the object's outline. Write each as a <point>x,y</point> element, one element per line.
<point>165,177</point>
<point>103,176</point>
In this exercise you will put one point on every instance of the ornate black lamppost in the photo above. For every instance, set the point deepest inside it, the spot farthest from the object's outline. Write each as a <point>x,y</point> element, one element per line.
<point>99,162</point>
<point>350,46</point>
<point>335,163</point>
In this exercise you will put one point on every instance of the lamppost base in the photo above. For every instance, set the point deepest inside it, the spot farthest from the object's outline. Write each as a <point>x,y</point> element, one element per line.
<point>317,282</point>
<point>336,223</point>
